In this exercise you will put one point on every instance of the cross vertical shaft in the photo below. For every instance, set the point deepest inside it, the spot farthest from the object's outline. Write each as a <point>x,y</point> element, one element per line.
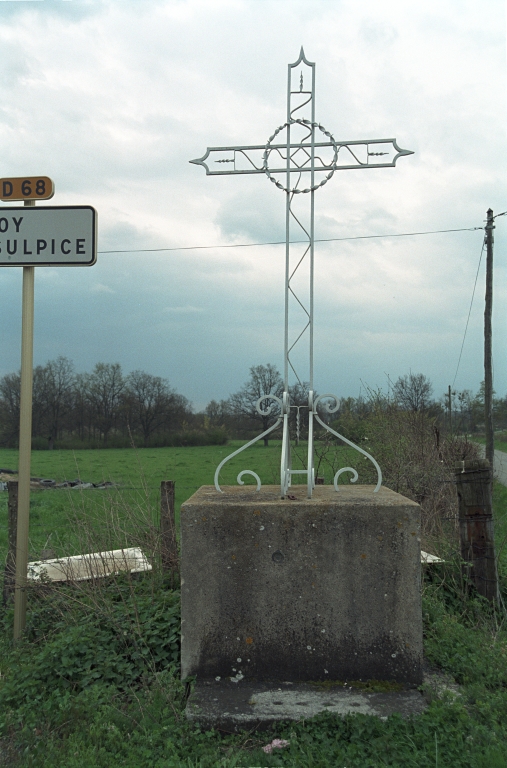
<point>297,100</point>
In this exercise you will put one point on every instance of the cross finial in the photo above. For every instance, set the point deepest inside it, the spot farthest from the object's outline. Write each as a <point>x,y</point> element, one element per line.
<point>301,58</point>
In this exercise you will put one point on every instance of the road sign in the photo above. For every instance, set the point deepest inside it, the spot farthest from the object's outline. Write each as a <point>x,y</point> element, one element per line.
<point>59,235</point>
<point>27,188</point>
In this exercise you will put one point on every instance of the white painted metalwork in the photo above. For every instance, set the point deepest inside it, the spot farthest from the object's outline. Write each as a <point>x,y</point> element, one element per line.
<point>291,152</point>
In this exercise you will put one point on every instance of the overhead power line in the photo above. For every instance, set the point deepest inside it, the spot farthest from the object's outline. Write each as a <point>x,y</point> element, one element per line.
<point>282,242</point>
<point>469,311</point>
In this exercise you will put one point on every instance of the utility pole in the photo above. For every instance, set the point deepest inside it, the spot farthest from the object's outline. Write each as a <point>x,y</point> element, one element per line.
<point>488,363</point>
<point>450,409</point>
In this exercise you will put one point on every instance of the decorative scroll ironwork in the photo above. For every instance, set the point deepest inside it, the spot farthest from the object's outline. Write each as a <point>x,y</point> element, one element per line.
<point>296,156</point>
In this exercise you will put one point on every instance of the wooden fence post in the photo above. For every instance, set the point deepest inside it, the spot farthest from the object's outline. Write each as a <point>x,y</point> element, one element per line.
<point>474,487</point>
<point>12,527</point>
<point>169,548</point>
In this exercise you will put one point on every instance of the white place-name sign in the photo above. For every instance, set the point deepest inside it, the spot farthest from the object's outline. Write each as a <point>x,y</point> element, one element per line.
<point>56,235</point>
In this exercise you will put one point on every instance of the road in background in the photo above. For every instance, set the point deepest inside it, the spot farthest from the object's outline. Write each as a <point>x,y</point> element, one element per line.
<point>500,467</point>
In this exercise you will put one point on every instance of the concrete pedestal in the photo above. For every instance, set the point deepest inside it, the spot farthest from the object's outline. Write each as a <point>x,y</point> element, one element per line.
<point>294,590</point>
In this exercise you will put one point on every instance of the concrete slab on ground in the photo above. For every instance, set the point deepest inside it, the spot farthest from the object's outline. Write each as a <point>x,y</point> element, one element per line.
<point>240,706</point>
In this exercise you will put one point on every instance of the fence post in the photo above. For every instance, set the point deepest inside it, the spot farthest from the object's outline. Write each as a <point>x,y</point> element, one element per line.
<point>169,548</point>
<point>12,527</point>
<point>474,487</point>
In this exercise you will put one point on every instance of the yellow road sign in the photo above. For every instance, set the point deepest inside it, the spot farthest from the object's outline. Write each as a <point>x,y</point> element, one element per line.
<point>27,188</point>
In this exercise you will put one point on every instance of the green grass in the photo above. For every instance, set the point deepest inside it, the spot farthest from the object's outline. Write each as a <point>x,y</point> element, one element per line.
<point>500,442</point>
<point>94,683</point>
<point>136,473</point>
<point>56,514</point>
<point>500,511</point>
<point>190,467</point>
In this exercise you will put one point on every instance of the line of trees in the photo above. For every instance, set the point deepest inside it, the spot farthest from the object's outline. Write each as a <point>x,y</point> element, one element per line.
<point>104,407</point>
<point>412,393</point>
<point>108,408</point>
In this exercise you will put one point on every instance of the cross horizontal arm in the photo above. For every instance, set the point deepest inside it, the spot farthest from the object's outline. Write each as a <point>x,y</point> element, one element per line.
<point>376,153</point>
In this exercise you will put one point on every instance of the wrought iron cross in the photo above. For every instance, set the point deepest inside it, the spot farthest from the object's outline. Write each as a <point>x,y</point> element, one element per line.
<point>299,158</point>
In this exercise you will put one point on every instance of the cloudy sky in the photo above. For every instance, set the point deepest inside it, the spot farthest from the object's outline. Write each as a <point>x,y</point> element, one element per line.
<point>112,98</point>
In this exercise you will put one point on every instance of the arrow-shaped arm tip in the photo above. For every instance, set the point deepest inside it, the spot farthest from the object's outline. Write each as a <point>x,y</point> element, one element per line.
<point>401,152</point>
<point>200,160</point>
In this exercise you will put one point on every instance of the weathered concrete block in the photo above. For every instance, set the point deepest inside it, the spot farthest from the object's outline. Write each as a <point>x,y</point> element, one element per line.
<point>301,589</point>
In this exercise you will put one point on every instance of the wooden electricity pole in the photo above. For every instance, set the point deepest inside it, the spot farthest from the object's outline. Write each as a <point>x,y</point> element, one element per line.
<point>488,363</point>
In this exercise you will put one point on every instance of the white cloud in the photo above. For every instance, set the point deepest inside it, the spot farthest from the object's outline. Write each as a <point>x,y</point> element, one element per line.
<point>188,309</point>
<point>101,288</point>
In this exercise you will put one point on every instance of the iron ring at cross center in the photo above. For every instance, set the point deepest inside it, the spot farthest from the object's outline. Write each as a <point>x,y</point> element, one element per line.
<point>267,150</point>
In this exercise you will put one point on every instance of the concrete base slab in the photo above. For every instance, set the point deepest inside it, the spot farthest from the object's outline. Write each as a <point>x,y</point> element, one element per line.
<point>244,705</point>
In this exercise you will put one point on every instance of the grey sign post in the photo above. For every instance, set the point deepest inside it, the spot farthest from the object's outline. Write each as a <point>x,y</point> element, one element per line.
<point>300,157</point>
<point>30,237</point>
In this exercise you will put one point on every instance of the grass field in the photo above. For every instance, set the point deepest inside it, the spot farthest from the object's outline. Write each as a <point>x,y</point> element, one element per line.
<point>500,510</point>
<point>55,514</point>
<point>136,474</point>
<point>95,684</point>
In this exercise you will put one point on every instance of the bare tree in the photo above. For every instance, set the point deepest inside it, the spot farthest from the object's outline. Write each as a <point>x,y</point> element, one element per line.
<point>103,391</point>
<point>53,398</point>
<point>413,392</point>
<point>264,380</point>
<point>39,400</point>
<point>149,401</point>
<point>218,412</point>
<point>10,387</point>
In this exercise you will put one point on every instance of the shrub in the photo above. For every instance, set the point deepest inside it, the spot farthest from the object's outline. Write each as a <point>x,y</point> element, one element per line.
<point>75,640</point>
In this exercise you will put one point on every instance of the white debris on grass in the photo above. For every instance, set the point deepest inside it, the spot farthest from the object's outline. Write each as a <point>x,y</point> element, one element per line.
<point>275,744</point>
<point>90,566</point>
<point>426,558</point>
